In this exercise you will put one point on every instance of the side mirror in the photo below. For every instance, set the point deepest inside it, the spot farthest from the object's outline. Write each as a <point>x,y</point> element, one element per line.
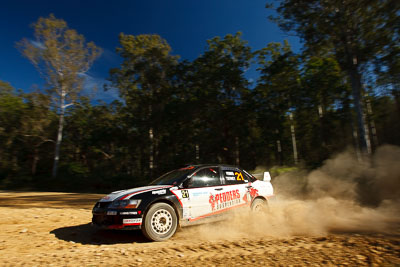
<point>187,183</point>
<point>267,177</point>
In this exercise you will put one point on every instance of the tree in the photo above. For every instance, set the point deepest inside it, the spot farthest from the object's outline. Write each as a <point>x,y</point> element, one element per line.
<point>94,140</point>
<point>354,31</point>
<point>143,80</point>
<point>277,94</point>
<point>322,110</point>
<point>12,109</point>
<point>219,91</point>
<point>62,57</point>
<point>387,62</point>
<point>36,125</point>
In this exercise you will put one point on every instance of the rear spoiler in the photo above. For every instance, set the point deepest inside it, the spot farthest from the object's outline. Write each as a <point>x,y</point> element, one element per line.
<point>266,176</point>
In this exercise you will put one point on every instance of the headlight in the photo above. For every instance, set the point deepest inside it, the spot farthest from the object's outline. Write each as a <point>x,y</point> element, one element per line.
<point>128,203</point>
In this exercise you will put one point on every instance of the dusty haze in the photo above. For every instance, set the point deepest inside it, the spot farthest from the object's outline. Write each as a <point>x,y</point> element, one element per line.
<point>343,214</point>
<point>344,195</point>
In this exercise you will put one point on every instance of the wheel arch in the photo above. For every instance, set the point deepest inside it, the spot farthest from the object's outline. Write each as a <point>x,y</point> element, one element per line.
<point>166,201</point>
<point>259,197</point>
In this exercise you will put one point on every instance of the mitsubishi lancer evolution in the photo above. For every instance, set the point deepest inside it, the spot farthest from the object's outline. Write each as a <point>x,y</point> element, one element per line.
<point>190,195</point>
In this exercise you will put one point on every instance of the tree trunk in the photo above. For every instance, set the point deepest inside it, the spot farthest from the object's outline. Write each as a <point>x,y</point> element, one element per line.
<point>293,139</point>
<point>197,153</point>
<point>355,140</point>
<point>396,95</point>
<point>355,79</point>
<point>35,160</point>
<point>372,124</point>
<point>367,139</point>
<point>278,149</point>
<point>322,131</point>
<point>237,161</point>
<point>151,152</point>
<point>59,135</point>
<point>321,124</point>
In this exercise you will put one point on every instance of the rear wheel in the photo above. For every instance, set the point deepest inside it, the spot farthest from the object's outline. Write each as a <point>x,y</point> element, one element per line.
<point>259,205</point>
<point>160,222</point>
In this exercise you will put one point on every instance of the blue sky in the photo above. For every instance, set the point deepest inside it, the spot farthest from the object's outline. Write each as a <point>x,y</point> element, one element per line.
<point>185,24</point>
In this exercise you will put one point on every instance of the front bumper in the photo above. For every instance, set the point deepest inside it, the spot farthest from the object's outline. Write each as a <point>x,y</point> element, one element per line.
<point>112,219</point>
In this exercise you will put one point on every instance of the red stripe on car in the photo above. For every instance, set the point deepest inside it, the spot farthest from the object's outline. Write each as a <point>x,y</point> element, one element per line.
<point>145,190</point>
<point>177,197</point>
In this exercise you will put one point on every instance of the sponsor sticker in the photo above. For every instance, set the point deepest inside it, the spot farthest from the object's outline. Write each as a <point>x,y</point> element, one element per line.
<point>128,213</point>
<point>230,175</point>
<point>132,221</point>
<point>185,194</point>
<point>186,213</point>
<point>224,200</point>
<point>159,192</point>
<point>200,193</point>
<point>251,194</point>
<point>111,212</point>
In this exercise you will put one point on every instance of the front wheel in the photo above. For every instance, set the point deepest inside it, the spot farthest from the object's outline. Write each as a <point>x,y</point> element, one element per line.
<point>259,205</point>
<point>160,222</point>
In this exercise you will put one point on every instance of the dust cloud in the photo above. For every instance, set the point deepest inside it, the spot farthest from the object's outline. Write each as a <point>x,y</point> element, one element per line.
<point>344,195</point>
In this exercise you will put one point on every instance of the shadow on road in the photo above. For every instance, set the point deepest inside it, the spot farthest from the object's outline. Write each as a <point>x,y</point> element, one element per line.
<point>87,234</point>
<point>47,200</point>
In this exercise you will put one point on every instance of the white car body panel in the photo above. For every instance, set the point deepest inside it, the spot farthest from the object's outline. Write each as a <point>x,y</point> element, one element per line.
<point>198,203</point>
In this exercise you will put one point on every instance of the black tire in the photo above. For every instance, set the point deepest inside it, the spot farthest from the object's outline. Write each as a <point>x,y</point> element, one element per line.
<point>259,205</point>
<point>160,222</point>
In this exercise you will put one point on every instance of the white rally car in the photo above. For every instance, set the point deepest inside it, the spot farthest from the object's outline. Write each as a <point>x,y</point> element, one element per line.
<point>191,195</point>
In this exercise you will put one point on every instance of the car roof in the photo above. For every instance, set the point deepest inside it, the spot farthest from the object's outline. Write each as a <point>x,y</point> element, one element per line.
<point>196,166</point>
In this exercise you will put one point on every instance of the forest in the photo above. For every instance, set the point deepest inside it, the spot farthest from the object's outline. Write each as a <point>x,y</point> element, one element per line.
<point>341,92</point>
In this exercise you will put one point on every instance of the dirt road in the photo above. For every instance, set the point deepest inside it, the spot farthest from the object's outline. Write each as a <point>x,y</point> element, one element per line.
<point>52,229</point>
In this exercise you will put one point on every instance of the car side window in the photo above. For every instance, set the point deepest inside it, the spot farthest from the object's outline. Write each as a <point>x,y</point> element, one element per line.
<point>249,177</point>
<point>235,176</point>
<point>205,177</point>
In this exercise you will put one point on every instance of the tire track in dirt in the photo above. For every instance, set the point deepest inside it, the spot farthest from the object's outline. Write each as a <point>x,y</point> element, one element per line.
<point>58,235</point>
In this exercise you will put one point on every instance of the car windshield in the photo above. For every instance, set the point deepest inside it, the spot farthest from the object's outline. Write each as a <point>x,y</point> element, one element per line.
<point>173,178</point>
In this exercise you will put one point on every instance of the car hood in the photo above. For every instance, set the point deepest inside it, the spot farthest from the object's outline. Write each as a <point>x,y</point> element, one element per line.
<point>128,193</point>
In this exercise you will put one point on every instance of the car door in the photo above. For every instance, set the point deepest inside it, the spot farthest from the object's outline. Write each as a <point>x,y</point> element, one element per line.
<point>203,184</point>
<point>237,184</point>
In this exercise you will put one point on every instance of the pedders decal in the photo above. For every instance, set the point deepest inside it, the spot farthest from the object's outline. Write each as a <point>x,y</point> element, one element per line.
<point>251,194</point>
<point>224,200</point>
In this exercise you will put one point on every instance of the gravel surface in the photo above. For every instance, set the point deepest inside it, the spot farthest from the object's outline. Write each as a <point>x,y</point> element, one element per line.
<point>53,229</point>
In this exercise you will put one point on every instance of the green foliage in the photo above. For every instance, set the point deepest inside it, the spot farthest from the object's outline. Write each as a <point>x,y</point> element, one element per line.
<point>12,110</point>
<point>277,93</point>
<point>62,57</point>
<point>220,112</point>
<point>278,170</point>
<point>357,33</point>
<point>353,28</point>
<point>320,109</point>
<point>176,112</point>
<point>25,121</point>
<point>144,80</point>
<point>60,54</point>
